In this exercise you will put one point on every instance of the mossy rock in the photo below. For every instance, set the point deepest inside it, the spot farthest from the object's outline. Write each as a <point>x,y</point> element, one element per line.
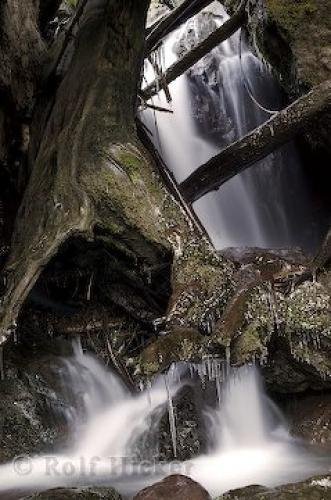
<point>83,494</point>
<point>317,488</point>
<point>295,40</point>
<point>179,345</point>
<point>31,411</point>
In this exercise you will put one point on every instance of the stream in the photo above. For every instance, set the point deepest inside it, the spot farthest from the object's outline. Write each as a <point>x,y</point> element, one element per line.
<point>247,443</point>
<point>270,205</point>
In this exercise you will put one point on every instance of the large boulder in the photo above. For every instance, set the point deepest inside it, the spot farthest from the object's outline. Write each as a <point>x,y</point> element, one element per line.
<point>176,487</point>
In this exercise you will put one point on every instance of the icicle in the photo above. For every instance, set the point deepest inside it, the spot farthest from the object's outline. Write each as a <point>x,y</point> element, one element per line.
<point>15,337</point>
<point>213,367</point>
<point>172,422</point>
<point>227,359</point>
<point>209,369</point>
<point>77,346</point>
<point>89,288</point>
<point>191,368</point>
<point>148,391</point>
<point>141,385</point>
<point>318,339</point>
<point>2,367</point>
<point>218,390</point>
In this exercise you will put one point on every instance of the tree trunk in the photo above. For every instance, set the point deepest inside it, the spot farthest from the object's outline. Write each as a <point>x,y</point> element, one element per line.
<point>92,177</point>
<point>281,128</point>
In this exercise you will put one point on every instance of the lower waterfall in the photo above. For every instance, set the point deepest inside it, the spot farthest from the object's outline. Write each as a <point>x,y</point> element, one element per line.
<point>247,442</point>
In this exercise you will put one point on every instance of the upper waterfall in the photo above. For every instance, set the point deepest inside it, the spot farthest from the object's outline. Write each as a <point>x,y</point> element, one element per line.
<point>270,205</point>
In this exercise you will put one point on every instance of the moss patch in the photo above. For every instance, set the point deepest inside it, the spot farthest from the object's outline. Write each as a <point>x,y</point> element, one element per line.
<point>179,345</point>
<point>305,26</point>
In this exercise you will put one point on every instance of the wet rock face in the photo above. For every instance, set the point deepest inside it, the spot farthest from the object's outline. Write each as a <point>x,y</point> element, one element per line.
<point>309,417</point>
<point>304,26</point>
<point>32,415</point>
<point>317,488</point>
<point>204,78</point>
<point>176,487</point>
<point>83,494</point>
<point>290,334</point>
<point>189,428</point>
<point>294,38</point>
<point>157,9</point>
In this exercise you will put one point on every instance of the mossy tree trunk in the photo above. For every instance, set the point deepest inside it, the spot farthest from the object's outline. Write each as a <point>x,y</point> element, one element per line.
<point>90,175</point>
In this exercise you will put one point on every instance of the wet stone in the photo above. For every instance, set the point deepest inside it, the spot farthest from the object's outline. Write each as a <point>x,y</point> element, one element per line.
<point>176,487</point>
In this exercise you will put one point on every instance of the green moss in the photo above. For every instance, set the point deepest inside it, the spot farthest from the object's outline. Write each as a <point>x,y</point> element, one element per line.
<point>131,162</point>
<point>72,3</point>
<point>249,345</point>
<point>291,15</point>
<point>179,345</point>
<point>295,40</point>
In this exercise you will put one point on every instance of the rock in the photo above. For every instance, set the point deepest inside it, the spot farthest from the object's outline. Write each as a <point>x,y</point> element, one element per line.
<point>294,38</point>
<point>83,494</point>
<point>251,255</point>
<point>204,79</point>
<point>156,11</point>
<point>182,344</point>
<point>291,335</point>
<point>317,488</point>
<point>189,428</point>
<point>32,411</point>
<point>174,487</point>
<point>309,417</point>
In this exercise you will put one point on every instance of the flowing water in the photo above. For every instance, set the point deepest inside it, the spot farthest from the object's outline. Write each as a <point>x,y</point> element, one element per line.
<point>248,440</point>
<point>271,204</point>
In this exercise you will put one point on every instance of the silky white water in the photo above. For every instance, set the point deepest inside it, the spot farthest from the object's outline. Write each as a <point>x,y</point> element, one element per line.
<point>248,441</point>
<point>269,205</point>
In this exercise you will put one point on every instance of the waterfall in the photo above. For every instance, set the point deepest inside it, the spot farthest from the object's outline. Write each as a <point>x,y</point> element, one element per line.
<point>269,205</point>
<point>248,441</point>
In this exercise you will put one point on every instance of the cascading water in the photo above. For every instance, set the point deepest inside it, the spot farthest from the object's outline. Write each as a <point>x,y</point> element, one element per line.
<point>248,442</point>
<point>269,205</point>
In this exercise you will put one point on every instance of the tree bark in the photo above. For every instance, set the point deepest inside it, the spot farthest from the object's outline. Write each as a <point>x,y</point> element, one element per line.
<point>86,142</point>
<point>240,155</point>
<point>91,177</point>
<point>188,60</point>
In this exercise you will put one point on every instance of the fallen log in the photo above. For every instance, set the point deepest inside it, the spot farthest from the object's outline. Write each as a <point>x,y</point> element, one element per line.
<point>172,21</point>
<point>263,140</point>
<point>188,60</point>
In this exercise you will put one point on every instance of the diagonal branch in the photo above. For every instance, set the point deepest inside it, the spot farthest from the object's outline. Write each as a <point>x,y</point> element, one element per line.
<point>243,153</point>
<point>172,21</point>
<point>188,60</point>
